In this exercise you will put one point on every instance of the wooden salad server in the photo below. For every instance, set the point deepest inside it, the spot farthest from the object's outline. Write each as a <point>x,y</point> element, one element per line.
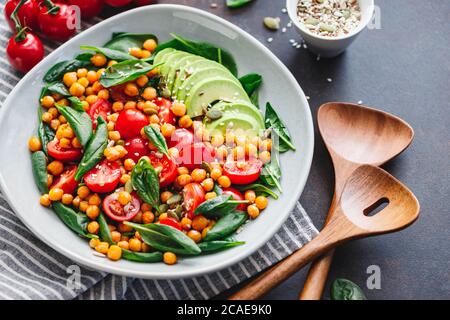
<point>367,188</point>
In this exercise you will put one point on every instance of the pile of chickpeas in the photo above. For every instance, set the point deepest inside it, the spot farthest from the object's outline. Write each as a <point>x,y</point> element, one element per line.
<point>85,85</point>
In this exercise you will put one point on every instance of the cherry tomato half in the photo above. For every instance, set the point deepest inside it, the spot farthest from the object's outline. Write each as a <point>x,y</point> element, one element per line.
<point>165,114</point>
<point>137,148</point>
<point>24,55</point>
<point>244,173</point>
<point>60,25</point>
<point>130,122</point>
<point>100,108</point>
<point>117,3</point>
<point>116,211</point>
<point>171,222</point>
<point>180,137</point>
<point>237,195</point>
<point>193,195</point>
<point>64,154</point>
<point>27,14</point>
<point>104,177</point>
<point>88,8</point>
<point>192,156</point>
<point>66,181</point>
<point>168,167</point>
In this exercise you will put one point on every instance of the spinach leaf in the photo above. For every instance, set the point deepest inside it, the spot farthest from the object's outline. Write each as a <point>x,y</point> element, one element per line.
<point>237,3</point>
<point>165,238</point>
<point>217,189</point>
<point>259,190</point>
<point>274,122</point>
<point>85,56</point>
<point>78,119</point>
<point>343,289</point>
<point>144,257</point>
<point>76,221</point>
<point>251,84</point>
<point>110,53</point>
<point>56,72</point>
<point>226,225</point>
<point>271,173</point>
<point>157,139</point>
<point>123,41</point>
<point>55,87</point>
<point>145,181</point>
<point>46,134</point>
<point>218,245</point>
<point>39,167</point>
<point>93,152</point>
<point>124,71</point>
<point>218,206</point>
<point>104,232</point>
<point>202,49</point>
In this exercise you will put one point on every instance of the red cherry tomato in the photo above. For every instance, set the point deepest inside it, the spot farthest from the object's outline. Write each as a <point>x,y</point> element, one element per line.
<point>245,173</point>
<point>180,138</point>
<point>192,156</point>
<point>24,55</point>
<point>66,181</point>
<point>165,114</point>
<point>60,25</point>
<point>171,222</point>
<point>140,3</point>
<point>130,122</point>
<point>137,148</point>
<point>64,154</point>
<point>88,8</point>
<point>117,3</point>
<point>117,93</point>
<point>100,108</point>
<point>193,195</point>
<point>168,167</point>
<point>104,177</point>
<point>237,195</point>
<point>27,14</point>
<point>116,211</point>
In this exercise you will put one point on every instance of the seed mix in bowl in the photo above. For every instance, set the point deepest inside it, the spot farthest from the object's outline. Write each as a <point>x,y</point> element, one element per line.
<point>330,18</point>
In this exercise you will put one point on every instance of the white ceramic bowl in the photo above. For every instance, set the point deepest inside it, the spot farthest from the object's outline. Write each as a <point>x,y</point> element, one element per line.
<point>329,47</point>
<point>18,121</point>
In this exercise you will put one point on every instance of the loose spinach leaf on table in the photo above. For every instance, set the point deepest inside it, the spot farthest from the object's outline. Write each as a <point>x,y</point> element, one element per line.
<point>76,221</point>
<point>208,247</point>
<point>218,206</point>
<point>56,72</point>
<point>273,122</point>
<point>123,41</point>
<point>202,49</point>
<point>226,225</point>
<point>55,87</point>
<point>271,173</point>
<point>110,53</point>
<point>259,190</point>
<point>343,289</point>
<point>93,152</point>
<point>39,167</point>
<point>157,139</point>
<point>251,84</point>
<point>144,257</point>
<point>78,119</point>
<point>125,71</point>
<point>145,181</point>
<point>45,133</point>
<point>237,3</point>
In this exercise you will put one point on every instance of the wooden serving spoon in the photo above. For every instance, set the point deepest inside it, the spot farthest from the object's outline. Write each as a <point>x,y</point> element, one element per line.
<point>353,135</point>
<point>367,187</point>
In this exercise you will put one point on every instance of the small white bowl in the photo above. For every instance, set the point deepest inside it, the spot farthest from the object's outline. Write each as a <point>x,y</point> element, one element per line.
<point>329,47</point>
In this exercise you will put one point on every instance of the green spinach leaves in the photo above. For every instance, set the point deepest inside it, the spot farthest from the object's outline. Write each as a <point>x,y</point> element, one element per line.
<point>78,119</point>
<point>145,180</point>
<point>343,289</point>
<point>157,139</point>
<point>273,122</point>
<point>125,71</point>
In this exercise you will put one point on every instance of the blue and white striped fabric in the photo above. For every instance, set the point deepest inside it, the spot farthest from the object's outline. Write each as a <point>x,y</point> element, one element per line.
<point>31,270</point>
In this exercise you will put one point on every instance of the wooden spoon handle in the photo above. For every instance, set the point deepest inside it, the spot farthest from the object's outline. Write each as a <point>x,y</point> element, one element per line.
<point>317,277</point>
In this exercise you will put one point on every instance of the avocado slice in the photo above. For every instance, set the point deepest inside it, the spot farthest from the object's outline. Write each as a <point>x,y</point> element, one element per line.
<point>250,125</point>
<point>201,75</point>
<point>170,61</point>
<point>238,108</point>
<point>177,66</point>
<point>210,90</point>
<point>159,58</point>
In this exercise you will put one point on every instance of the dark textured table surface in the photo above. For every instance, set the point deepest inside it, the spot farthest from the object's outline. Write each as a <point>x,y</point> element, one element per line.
<point>402,68</point>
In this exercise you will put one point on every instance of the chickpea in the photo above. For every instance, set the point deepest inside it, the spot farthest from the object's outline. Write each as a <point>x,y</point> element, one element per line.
<point>116,236</point>
<point>123,244</point>
<point>131,90</point>
<point>93,243</point>
<point>124,178</point>
<point>150,45</point>
<point>34,144</point>
<point>129,164</point>
<point>83,206</point>
<point>253,211</point>
<point>166,195</point>
<point>67,198</point>
<point>224,181</point>
<point>65,143</point>
<point>169,258</point>
<point>102,247</point>
<point>114,135</point>
<point>123,228</point>
<point>183,180</point>
<point>264,156</point>
<point>210,195</point>
<point>83,81</point>
<point>124,198</point>
<point>217,140</point>
<point>95,200</point>
<point>261,202</point>
<point>92,211</point>
<point>185,121</point>
<point>148,217</point>
<point>198,175</point>
<point>55,167</point>
<point>136,52</point>
<point>114,253</point>
<point>216,173</point>
<point>98,60</point>
<point>194,235</point>
<point>208,184</point>
<point>250,196</point>
<point>266,145</point>
<point>142,81</point>
<point>70,78</point>
<point>154,119</point>
<point>178,109</point>
<point>49,180</point>
<point>205,232</point>
<point>163,216</point>
<point>93,227</point>
<point>167,130</point>
<point>186,223</point>
<point>76,202</point>
<point>92,76</point>
<point>149,93</point>
<point>117,106</point>
<point>76,89</point>
<point>82,72</point>
<point>44,200</point>
<point>83,192</point>
<point>199,223</point>
<point>174,153</point>
<point>146,207</point>
<point>135,245</point>
<point>182,170</point>
<point>46,117</point>
<point>103,94</point>
<point>55,194</point>
<point>91,99</point>
<point>47,102</point>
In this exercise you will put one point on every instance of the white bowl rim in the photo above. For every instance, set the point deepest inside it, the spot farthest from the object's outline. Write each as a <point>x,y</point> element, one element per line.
<point>301,26</point>
<point>253,247</point>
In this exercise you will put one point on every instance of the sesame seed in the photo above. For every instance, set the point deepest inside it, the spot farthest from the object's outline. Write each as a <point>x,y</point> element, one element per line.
<point>269,39</point>
<point>284,10</point>
<point>329,80</point>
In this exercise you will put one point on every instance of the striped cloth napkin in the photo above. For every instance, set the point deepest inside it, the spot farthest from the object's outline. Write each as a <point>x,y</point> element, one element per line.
<point>29,269</point>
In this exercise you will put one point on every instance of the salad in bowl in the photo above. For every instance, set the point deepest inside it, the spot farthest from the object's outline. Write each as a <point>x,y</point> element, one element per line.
<point>155,151</point>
